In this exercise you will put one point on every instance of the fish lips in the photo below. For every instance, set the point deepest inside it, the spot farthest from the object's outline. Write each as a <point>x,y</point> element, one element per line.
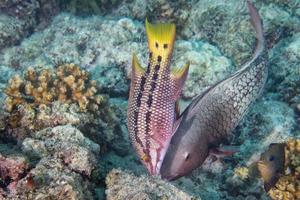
<point>170,177</point>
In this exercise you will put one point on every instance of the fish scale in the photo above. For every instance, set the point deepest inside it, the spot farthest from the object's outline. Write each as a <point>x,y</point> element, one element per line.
<point>214,114</point>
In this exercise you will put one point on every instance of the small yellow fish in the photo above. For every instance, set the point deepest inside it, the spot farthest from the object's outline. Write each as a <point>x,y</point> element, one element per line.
<point>270,165</point>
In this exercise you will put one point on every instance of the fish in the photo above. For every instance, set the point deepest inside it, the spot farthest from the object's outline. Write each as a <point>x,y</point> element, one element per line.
<point>154,91</point>
<point>213,115</point>
<point>270,165</point>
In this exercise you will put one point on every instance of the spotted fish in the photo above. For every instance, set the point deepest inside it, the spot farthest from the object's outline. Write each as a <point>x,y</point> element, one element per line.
<point>153,94</point>
<point>213,115</point>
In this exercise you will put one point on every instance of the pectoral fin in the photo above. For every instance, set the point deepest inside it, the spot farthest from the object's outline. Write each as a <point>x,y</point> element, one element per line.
<point>136,74</point>
<point>137,69</point>
<point>224,151</point>
<point>271,183</point>
<point>179,76</point>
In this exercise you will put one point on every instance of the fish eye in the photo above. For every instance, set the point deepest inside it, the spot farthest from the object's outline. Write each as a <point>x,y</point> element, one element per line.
<point>271,158</point>
<point>186,156</point>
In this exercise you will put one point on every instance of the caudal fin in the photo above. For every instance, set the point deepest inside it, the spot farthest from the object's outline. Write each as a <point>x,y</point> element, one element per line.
<point>257,25</point>
<point>161,38</point>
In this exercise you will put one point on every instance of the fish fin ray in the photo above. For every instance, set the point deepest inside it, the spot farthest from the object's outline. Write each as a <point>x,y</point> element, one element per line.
<point>179,76</point>
<point>137,69</point>
<point>161,37</point>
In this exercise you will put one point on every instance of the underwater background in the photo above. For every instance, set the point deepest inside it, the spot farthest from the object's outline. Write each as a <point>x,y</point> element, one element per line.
<point>64,85</point>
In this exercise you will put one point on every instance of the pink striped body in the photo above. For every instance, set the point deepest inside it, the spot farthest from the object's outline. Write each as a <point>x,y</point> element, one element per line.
<point>151,112</point>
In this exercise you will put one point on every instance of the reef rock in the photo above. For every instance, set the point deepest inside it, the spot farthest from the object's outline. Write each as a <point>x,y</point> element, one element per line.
<point>284,70</point>
<point>207,65</point>
<point>18,18</point>
<point>63,159</point>
<point>64,143</point>
<point>51,179</point>
<point>105,46</point>
<point>12,169</point>
<point>122,185</point>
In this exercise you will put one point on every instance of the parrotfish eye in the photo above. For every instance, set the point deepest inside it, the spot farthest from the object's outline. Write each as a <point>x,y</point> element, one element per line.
<point>271,158</point>
<point>186,156</point>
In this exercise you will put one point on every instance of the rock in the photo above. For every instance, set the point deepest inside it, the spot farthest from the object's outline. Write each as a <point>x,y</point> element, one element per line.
<point>207,65</point>
<point>12,168</point>
<point>284,70</point>
<point>105,46</point>
<point>65,143</point>
<point>52,179</point>
<point>227,25</point>
<point>63,160</point>
<point>123,185</point>
<point>267,122</point>
<point>91,42</point>
<point>18,18</point>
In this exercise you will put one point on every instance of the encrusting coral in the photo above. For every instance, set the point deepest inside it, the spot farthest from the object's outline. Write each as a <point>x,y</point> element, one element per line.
<point>36,101</point>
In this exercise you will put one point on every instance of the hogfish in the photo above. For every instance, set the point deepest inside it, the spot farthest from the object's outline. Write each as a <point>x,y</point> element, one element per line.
<point>153,94</point>
<point>213,115</point>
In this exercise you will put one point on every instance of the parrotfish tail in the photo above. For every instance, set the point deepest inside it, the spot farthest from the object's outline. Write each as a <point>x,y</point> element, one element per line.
<point>257,25</point>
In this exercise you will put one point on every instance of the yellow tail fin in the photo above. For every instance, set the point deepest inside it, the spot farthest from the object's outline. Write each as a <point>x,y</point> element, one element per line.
<point>161,38</point>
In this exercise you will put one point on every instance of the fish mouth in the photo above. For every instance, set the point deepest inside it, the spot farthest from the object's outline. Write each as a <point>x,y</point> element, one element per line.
<point>170,177</point>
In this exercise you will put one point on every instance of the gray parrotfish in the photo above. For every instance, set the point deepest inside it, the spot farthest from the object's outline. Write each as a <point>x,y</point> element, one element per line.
<point>154,91</point>
<point>213,115</point>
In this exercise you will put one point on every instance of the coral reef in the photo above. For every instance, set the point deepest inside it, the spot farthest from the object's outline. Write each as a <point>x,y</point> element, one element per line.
<point>284,70</point>
<point>18,18</point>
<point>104,47</point>
<point>123,185</point>
<point>67,158</point>
<point>12,169</point>
<point>33,102</point>
<point>207,65</point>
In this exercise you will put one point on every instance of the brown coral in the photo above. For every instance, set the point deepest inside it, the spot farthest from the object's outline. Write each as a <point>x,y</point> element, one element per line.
<point>30,101</point>
<point>288,185</point>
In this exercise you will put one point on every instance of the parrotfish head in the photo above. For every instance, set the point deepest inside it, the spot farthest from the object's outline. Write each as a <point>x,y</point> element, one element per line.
<point>184,154</point>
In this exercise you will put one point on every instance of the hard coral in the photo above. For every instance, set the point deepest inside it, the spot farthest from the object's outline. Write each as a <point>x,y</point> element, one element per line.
<point>44,98</point>
<point>288,185</point>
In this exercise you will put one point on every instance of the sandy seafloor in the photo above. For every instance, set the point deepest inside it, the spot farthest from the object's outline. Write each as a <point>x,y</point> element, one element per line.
<point>54,148</point>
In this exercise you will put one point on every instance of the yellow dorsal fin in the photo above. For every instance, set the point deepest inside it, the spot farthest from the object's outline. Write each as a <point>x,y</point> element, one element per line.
<point>136,67</point>
<point>179,72</point>
<point>161,38</point>
<point>179,76</point>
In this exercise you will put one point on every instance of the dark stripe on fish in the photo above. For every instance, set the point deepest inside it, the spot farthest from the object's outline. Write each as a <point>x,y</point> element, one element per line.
<point>137,139</point>
<point>149,101</point>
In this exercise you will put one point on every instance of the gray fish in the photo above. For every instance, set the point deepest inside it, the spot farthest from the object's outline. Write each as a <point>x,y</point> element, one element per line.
<point>213,115</point>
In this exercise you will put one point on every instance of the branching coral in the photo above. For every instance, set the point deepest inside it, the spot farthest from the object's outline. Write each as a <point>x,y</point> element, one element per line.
<point>44,98</point>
